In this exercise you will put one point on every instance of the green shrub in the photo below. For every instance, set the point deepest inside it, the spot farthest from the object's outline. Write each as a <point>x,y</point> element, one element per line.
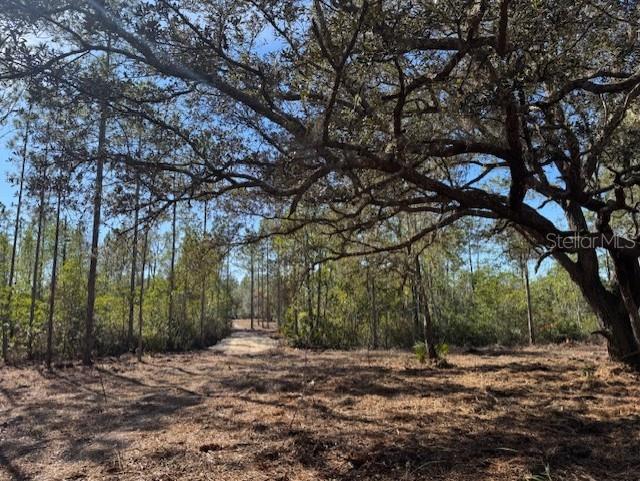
<point>420,351</point>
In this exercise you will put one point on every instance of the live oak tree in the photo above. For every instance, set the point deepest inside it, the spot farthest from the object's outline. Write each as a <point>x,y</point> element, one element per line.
<point>376,108</point>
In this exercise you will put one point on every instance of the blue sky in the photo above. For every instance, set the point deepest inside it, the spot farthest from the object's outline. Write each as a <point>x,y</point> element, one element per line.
<point>6,167</point>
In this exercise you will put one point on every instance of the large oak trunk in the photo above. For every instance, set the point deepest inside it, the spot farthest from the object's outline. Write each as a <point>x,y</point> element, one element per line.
<point>614,319</point>
<point>622,306</point>
<point>611,309</point>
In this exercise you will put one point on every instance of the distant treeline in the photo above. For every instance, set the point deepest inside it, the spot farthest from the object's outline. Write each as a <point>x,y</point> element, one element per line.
<point>474,292</point>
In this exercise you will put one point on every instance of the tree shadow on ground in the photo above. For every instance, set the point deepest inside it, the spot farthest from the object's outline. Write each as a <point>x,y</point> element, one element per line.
<point>341,416</point>
<point>564,442</point>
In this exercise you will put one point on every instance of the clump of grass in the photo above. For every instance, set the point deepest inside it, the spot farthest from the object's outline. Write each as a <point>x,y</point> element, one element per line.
<point>544,476</point>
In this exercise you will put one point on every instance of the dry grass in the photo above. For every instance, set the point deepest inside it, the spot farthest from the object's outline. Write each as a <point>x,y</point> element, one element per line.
<point>296,415</point>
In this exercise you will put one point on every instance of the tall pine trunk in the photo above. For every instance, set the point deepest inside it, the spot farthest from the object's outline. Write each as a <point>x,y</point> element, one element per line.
<point>268,291</point>
<point>141,302</point>
<point>252,292</point>
<point>294,289</point>
<point>7,323</point>
<point>527,287</point>
<point>423,303</point>
<point>318,296</point>
<point>172,280</point>
<point>261,288</point>
<point>203,288</point>
<point>374,313</point>
<point>229,305</point>
<point>36,267</point>
<point>134,262</point>
<point>95,230</point>
<point>54,279</point>
<point>278,292</point>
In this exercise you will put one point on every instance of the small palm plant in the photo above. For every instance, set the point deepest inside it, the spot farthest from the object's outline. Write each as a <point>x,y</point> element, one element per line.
<point>420,351</point>
<point>442,350</point>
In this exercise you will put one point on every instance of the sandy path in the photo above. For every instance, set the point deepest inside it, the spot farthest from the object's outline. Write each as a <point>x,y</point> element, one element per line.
<point>243,340</point>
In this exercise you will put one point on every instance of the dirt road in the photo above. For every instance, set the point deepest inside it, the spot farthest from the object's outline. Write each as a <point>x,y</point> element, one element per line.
<point>244,341</point>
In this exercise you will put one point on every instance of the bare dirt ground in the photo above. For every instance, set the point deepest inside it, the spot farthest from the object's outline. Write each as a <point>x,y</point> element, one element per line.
<point>285,414</point>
